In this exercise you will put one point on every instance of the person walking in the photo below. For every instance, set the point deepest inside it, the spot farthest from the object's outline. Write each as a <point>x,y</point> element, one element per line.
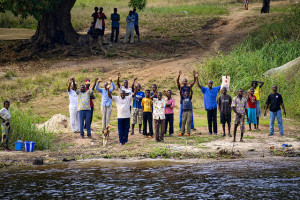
<point>169,112</point>
<point>136,24</point>
<point>129,27</point>
<point>5,117</point>
<point>115,18</point>
<point>106,105</point>
<point>74,115</point>
<point>274,101</point>
<point>224,106</point>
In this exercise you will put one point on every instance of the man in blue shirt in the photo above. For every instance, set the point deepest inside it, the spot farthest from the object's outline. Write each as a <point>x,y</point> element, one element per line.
<point>210,103</point>
<point>137,111</point>
<point>129,27</point>
<point>136,23</point>
<point>115,18</point>
<point>106,105</point>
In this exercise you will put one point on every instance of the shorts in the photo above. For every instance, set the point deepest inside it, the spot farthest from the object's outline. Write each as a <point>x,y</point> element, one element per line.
<point>137,115</point>
<point>136,28</point>
<point>240,121</point>
<point>258,112</point>
<point>225,118</point>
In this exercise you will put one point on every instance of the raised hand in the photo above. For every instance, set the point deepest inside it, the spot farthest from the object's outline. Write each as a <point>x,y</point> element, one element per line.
<point>135,79</point>
<point>179,73</point>
<point>119,75</point>
<point>110,79</point>
<point>195,74</point>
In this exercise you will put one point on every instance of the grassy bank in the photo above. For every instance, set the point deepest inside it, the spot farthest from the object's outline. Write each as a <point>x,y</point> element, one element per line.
<point>271,46</point>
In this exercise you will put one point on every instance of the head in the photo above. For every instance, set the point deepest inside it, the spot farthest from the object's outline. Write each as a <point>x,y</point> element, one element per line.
<point>87,83</point>
<point>96,9</point>
<point>224,90</point>
<point>139,87</point>
<point>130,13</point>
<point>122,94</point>
<point>82,88</point>
<point>274,88</point>
<point>254,84</point>
<point>240,92</point>
<point>185,82</point>
<point>252,91</point>
<point>154,87</point>
<point>125,83</point>
<point>101,9</point>
<point>147,93</point>
<point>210,84</point>
<point>93,24</point>
<point>186,94</point>
<point>159,95</point>
<point>134,9</point>
<point>169,93</point>
<point>115,10</point>
<point>6,104</point>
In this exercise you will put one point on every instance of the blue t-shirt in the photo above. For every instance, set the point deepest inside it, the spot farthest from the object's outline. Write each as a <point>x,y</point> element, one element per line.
<point>186,103</point>
<point>210,96</point>
<point>136,102</point>
<point>114,23</point>
<point>136,22</point>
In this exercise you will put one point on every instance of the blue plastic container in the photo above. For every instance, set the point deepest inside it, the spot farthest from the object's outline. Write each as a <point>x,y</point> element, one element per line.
<point>18,145</point>
<point>29,146</point>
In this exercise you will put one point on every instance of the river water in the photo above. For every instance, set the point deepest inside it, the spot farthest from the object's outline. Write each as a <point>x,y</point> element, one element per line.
<point>158,179</point>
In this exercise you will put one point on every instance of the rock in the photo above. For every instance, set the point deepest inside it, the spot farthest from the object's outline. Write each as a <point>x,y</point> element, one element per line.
<point>56,123</point>
<point>290,69</point>
<point>38,161</point>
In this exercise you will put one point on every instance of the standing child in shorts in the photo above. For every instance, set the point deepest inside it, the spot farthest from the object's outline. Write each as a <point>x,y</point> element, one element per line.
<point>186,113</point>
<point>224,106</point>
<point>251,109</point>
<point>5,125</point>
<point>147,115</point>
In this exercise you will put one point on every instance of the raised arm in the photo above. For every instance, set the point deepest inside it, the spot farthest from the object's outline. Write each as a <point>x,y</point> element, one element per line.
<point>95,82</point>
<point>108,93</point>
<point>74,83</point>
<point>69,85</point>
<point>261,83</point>
<point>112,84</point>
<point>200,86</point>
<point>118,80</point>
<point>135,91</point>
<point>178,83</point>
<point>193,83</point>
<point>132,87</point>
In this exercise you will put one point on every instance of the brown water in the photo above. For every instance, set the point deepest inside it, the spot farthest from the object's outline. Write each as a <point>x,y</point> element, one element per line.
<point>154,180</point>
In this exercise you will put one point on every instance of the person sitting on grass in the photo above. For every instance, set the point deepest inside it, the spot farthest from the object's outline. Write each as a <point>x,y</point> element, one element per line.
<point>106,106</point>
<point>239,107</point>
<point>124,87</point>
<point>251,109</point>
<point>169,112</point>
<point>224,106</point>
<point>147,115</point>
<point>74,115</point>
<point>137,112</point>
<point>84,107</point>
<point>159,105</point>
<point>275,101</point>
<point>5,125</point>
<point>254,84</point>
<point>123,103</point>
<point>185,87</point>
<point>186,112</point>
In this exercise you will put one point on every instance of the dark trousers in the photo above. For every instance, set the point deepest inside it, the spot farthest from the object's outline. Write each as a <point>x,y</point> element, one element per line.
<point>212,119</point>
<point>85,116</point>
<point>113,33</point>
<point>147,117</point>
<point>169,120</point>
<point>159,129</point>
<point>92,112</point>
<point>123,128</point>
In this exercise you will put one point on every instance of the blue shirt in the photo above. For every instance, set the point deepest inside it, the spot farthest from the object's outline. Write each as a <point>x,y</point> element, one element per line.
<point>114,23</point>
<point>136,22</point>
<point>130,21</point>
<point>106,101</point>
<point>210,96</point>
<point>137,101</point>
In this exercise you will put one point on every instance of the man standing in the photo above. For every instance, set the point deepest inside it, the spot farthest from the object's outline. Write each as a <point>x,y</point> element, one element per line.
<point>275,101</point>
<point>123,103</point>
<point>129,28</point>
<point>124,87</point>
<point>87,87</point>
<point>115,18</point>
<point>224,106</point>
<point>84,107</point>
<point>185,87</point>
<point>210,103</point>
<point>239,107</point>
<point>137,112</point>
<point>102,16</point>
<point>254,84</point>
<point>159,105</point>
<point>169,112</point>
<point>74,115</point>
<point>136,24</point>
<point>106,106</point>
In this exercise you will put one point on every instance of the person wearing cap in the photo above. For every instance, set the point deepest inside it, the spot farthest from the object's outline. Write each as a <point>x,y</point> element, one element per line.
<point>74,115</point>
<point>84,107</point>
<point>87,87</point>
<point>124,87</point>
<point>106,105</point>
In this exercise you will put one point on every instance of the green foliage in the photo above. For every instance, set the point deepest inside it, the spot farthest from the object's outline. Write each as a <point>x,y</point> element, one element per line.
<point>138,4</point>
<point>23,127</point>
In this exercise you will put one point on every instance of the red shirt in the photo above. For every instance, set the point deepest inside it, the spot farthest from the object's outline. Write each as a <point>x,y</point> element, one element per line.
<point>101,15</point>
<point>251,101</point>
<point>91,100</point>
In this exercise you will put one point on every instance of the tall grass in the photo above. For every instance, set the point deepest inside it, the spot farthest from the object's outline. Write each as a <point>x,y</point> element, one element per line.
<point>23,127</point>
<point>271,46</point>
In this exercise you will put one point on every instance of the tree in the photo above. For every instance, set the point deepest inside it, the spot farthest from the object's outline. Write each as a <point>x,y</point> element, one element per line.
<point>139,4</point>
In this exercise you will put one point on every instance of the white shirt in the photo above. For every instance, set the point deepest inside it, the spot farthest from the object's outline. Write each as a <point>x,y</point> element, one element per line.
<point>5,114</point>
<point>127,90</point>
<point>123,106</point>
<point>73,99</point>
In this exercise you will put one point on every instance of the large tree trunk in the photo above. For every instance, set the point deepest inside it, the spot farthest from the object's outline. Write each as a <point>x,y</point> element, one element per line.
<point>47,25</point>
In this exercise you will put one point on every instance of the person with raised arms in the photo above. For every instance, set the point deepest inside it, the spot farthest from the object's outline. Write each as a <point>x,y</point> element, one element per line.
<point>137,112</point>
<point>74,115</point>
<point>125,87</point>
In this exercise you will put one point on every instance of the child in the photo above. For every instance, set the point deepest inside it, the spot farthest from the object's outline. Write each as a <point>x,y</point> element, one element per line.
<point>5,126</point>
<point>169,113</point>
<point>147,115</point>
<point>224,106</point>
<point>187,113</point>
<point>251,109</point>
<point>159,105</point>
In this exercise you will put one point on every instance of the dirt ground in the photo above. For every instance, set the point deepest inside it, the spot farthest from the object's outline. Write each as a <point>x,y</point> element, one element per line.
<point>219,35</point>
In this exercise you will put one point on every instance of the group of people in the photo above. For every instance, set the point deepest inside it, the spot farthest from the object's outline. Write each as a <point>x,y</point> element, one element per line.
<point>143,108</point>
<point>98,25</point>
